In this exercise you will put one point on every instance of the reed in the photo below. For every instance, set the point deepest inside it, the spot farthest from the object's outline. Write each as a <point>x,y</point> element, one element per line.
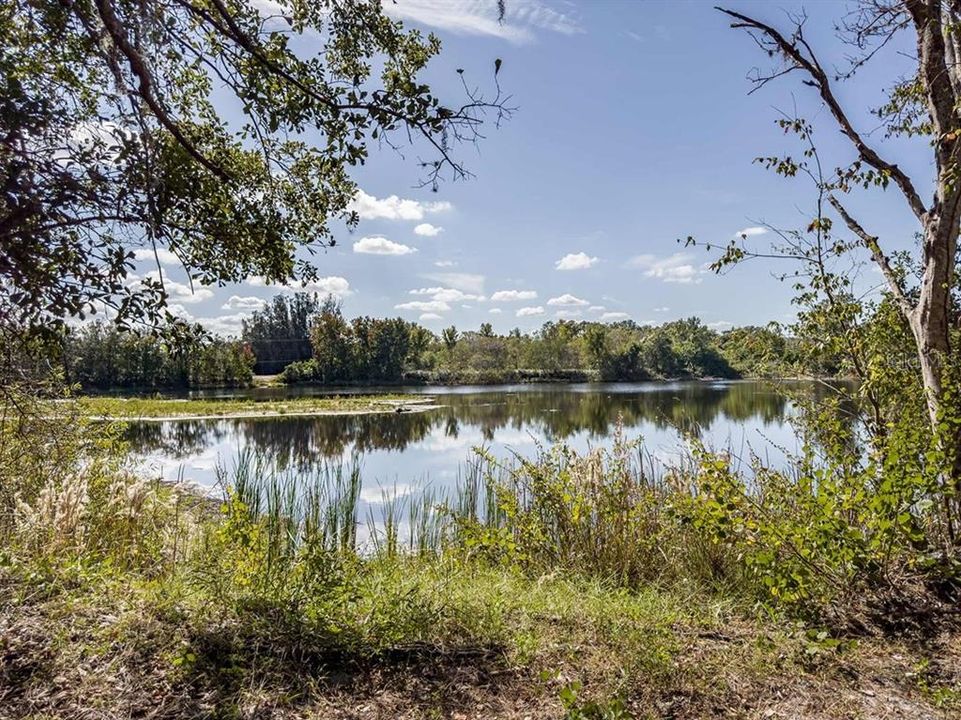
<point>316,507</point>
<point>604,514</point>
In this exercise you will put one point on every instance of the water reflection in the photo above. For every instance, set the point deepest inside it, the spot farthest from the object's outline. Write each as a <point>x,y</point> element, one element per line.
<point>432,444</point>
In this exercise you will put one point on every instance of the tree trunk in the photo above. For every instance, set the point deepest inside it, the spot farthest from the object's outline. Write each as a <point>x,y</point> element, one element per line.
<point>930,325</point>
<point>929,321</point>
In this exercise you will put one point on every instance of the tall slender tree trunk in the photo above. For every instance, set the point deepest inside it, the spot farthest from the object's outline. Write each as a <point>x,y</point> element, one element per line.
<point>930,321</point>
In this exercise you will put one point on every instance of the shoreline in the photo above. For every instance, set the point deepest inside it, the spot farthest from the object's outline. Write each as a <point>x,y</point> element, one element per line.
<point>113,409</point>
<point>414,408</point>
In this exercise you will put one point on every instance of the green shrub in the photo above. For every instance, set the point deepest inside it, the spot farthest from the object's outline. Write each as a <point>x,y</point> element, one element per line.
<point>822,538</point>
<point>302,371</point>
<point>597,514</point>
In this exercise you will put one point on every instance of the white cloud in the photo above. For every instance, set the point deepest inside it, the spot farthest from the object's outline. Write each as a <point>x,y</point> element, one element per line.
<point>447,294</point>
<point>575,261</point>
<point>393,208</point>
<point>224,324</point>
<point>181,292</point>
<point>330,285</point>
<point>567,314</point>
<point>496,311</point>
<point>479,17</point>
<point>676,268</point>
<point>612,316</point>
<point>379,494</point>
<point>662,309</point>
<point>567,299</point>
<point>720,325</point>
<point>444,263</point>
<point>513,295</point>
<point>461,281</point>
<point>596,308</point>
<point>424,306</point>
<point>268,8</point>
<point>752,231</point>
<point>100,140</point>
<point>165,256</point>
<point>180,311</point>
<point>530,311</point>
<point>381,246</point>
<point>236,302</point>
<point>220,325</point>
<point>428,230</point>
<point>430,316</point>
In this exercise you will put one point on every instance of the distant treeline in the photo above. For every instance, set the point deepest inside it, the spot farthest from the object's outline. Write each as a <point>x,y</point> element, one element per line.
<point>103,357</point>
<point>308,340</point>
<point>388,350</point>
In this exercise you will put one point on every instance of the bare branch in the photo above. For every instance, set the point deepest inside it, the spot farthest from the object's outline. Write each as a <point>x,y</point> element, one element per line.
<point>880,259</point>
<point>808,62</point>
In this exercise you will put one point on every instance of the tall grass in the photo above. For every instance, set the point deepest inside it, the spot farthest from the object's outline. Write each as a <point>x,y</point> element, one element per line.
<point>562,563</point>
<point>295,508</point>
<point>68,491</point>
<point>604,515</point>
<point>811,536</point>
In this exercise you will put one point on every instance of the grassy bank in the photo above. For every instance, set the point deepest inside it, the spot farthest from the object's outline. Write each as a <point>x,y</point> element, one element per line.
<point>165,408</point>
<point>568,586</point>
<point>417,639</point>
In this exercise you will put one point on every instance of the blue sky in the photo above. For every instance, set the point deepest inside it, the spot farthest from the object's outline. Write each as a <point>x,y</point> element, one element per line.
<point>634,128</point>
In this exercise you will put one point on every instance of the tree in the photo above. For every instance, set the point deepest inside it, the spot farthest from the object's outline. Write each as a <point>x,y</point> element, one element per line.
<point>486,330</point>
<point>330,337</point>
<point>695,347</point>
<point>389,349</point>
<point>595,344</point>
<point>279,333</point>
<point>924,104</point>
<point>420,341</point>
<point>114,141</point>
<point>100,355</point>
<point>449,337</point>
<point>658,356</point>
<point>756,351</point>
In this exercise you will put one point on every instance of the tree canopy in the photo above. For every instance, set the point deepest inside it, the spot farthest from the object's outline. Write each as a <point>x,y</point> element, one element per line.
<point>279,333</point>
<point>117,141</point>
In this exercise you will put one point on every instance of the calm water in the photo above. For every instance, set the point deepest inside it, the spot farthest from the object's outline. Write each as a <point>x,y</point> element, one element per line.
<point>398,451</point>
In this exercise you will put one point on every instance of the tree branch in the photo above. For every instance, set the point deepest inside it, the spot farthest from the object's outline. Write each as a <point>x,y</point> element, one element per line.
<point>820,80</point>
<point>880,259</point>
<point>139,68</point>
<point>934,69</point>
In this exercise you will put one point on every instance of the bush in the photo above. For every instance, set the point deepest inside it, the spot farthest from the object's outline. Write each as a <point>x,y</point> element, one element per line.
<point>599,515</point>
<point>303,371</point>
<point>826,540</point>
<point>66,492</point>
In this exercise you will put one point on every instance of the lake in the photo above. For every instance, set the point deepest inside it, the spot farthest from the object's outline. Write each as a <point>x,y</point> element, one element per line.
<point>401,451</point>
